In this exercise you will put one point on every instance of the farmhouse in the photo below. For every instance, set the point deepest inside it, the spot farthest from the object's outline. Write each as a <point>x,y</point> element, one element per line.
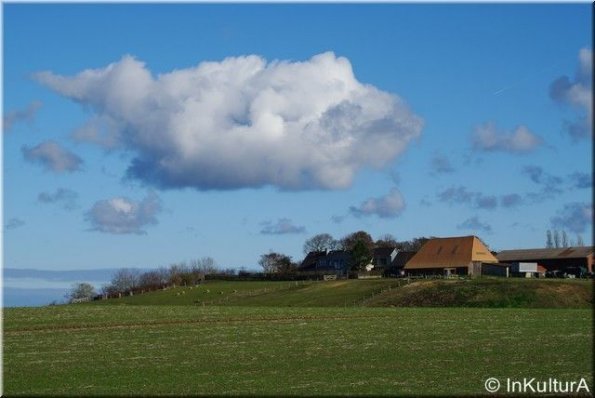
<point>314,260</point>
<point>465,255</point>
<point>334,261</point>
<point>565,260</point>
<point>397,266</point>
<point>383,257</point>
<point>339,261</point>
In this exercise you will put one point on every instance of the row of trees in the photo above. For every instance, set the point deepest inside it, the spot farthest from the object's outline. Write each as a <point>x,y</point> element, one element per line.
<point>325,241</point>
<point>360,244</point>
<point>131,279</point>
<point>557,240</point>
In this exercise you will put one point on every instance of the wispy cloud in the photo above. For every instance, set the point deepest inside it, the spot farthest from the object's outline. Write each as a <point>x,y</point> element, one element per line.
<point>63,196</point>
<point>441,164</point>
<point>390,205</point>
<point>52,156</point>
<point>551,185</point>
<point>474,224</point>
<point>488,138</point>
<point>581,180</point>
<point>124,216</point>
<point>14,223</point>
<point>578,94</point>
<point>283,226</point>
<point>456,195</point>
<point>511,200</point>
<point>337,219</point>
<point>486,202</point>
<point>243,121</point>
<point>460,195</point>
<point>575,217</point>
<point>20,115</point>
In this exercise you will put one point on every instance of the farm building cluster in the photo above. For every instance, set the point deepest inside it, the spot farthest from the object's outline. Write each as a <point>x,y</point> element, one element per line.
<point>457,256</point>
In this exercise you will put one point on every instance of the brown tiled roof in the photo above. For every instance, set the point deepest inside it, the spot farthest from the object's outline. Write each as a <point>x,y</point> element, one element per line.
<point>545,254</point>
<point>451,252</point>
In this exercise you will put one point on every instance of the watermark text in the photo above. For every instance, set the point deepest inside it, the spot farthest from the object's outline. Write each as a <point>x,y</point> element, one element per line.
<point>530,385</point>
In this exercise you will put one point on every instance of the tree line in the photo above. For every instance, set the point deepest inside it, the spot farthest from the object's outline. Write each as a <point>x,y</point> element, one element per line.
<point>127,280</point>
<point>560,239</point>
<point>360,244</point>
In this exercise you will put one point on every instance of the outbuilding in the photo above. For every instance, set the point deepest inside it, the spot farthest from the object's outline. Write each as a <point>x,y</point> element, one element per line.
<point>463,255</point>
<point>565,260</point>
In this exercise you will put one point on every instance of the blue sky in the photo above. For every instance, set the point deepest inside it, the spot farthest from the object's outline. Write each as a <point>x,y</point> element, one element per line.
<point>141,135</point>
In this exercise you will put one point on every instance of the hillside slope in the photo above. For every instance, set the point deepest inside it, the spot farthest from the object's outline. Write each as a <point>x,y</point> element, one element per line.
<point>264,293</point>
<point>490,292</point>
<point>482,292</point>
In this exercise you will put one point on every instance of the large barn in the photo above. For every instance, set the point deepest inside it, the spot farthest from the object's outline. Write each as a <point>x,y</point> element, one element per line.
<point>464,255</point>
<point>569,260</point>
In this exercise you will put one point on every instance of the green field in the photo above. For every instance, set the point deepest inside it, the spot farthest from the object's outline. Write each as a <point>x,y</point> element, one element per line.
<point>348,337</point>
<point>190,349</point>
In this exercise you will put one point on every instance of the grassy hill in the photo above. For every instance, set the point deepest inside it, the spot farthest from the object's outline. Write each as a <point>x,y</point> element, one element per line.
<point>481,292</point>
<point>490,292</point>
<point>263,293</point>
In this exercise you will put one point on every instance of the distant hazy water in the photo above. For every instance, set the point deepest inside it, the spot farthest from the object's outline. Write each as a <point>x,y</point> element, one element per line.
<point>20,297</point>
<point>29,292</point>
<point>32,287</point>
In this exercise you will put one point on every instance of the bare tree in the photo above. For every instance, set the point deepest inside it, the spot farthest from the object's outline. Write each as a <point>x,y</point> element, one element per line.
<point>276,263</point>
<point>163,275</point>
<point>125,279</point>
<point>150,280</point>
<point>579,241</point>
<point>320,242</point>
<point>556,239</point>
<point>199,268</point>
<point>108,290</point>
<point>81,291</point>
<point>549,243</point>
<point>414,244</point>
<point>564,239</point>
<point>176,273</point>
<point>386,240</point>
<point>204,265</point>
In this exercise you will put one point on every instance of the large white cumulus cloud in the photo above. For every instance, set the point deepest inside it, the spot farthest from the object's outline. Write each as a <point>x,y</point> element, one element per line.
<point>242,122</point>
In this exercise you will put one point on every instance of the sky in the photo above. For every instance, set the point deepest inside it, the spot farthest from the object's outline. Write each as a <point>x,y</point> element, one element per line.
<point>139,135</point>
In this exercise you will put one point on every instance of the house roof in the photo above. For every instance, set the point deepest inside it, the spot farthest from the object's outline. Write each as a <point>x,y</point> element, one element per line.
<point>312,258</point>
<point>545,254</point>
<point>402,258</point>
<point>451,252</point>
<point>383,251</point>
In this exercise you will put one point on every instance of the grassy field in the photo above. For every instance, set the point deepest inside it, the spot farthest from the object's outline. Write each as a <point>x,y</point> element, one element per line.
<point>481,292</point>
<point>190,350</point>
<point>264,293</point>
